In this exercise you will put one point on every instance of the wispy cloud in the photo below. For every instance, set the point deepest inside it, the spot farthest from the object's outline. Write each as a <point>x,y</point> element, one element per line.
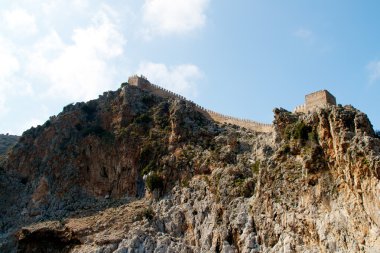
<point>74,62</point>
<point>79,53</point>
<point>374,71</point>
<point>79,70</point>
<point>180,79</point>
<point>163,17</point>
<point>305,34</point>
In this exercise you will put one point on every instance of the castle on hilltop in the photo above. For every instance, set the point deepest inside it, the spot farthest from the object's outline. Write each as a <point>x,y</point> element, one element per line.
<point>312,101</point>
<point>143,83</point>
<point>139,81</point>
<point>315,100</point>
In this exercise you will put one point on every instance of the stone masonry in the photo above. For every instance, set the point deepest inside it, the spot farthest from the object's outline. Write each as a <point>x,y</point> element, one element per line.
<point>142,82</point>
<point>318,99</point>
<point>312,101</point>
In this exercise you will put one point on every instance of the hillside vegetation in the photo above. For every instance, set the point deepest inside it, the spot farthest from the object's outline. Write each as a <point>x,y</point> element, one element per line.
<point>136,172</point>
<point>6,141</point>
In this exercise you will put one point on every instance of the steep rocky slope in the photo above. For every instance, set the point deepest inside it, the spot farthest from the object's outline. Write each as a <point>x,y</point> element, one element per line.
<point>6,141</point>
<point>134,172</point>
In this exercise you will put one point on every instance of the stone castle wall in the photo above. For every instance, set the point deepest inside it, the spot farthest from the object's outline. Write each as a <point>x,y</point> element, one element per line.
<point>316,100</point>
<point>142,82</point>
<point>319,98</point>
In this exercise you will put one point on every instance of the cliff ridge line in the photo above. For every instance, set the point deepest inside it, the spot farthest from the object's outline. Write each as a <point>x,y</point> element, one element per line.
<point>142,82</point>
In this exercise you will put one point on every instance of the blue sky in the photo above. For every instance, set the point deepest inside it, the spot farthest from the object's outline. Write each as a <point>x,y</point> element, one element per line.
<point>241,58</point>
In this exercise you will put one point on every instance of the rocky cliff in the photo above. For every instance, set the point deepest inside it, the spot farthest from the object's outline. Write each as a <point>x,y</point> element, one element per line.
<point>7,141</point>
<point>135,172</point>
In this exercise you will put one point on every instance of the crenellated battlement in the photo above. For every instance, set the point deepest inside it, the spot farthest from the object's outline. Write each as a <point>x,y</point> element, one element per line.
<point>142,82</point>
<point>313,101</point>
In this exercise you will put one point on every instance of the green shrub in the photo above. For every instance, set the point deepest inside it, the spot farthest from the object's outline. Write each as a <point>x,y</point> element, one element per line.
<point>185,182</point>
<point>154,181</point>
<point>285,149</point>
<point>238,181</point>
<point>98,131</point>
<point>312,136</point>
<point>89,107</point>
<point>150,167</point>
<point>148,213</point>
<point>255,167</point>
<point>68,107</point>
<point>143,119</point>
<point>147,155</point>
<point>148,100</point>
<point>299,131</point>
<point>150,153</point>
<point>93,130</point>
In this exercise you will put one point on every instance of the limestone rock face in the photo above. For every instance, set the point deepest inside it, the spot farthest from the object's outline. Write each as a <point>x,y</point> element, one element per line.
<point>324,177</point>
<point>134,172</point>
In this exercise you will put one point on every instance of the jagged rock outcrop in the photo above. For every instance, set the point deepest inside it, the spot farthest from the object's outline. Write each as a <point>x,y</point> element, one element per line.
<point>134,172</point>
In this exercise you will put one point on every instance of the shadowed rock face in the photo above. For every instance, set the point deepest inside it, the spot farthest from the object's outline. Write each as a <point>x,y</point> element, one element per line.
<point>48,239</point>
<point>135,172</point>
<point>100,148</point>
<point>7,141</point>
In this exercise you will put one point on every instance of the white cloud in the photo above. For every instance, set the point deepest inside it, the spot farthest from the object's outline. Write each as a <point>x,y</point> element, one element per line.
<point>36,120</point>
<point>80,4</point>
<point>8,61</point>
<point>19,22</point>
<point>374,71</point>
<point>173,17</point>
<point>80,70</point>
<point>31,121</point>
<point>3,108</point>
<point>304,34</point>
<point>75,55</point>
<point>57,5</point>
<point>179,79</point>
<point>9,65</point>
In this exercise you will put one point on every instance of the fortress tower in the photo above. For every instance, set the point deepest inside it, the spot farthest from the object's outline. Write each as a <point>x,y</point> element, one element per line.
<point>316,100</point>
<point>139,81</point>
